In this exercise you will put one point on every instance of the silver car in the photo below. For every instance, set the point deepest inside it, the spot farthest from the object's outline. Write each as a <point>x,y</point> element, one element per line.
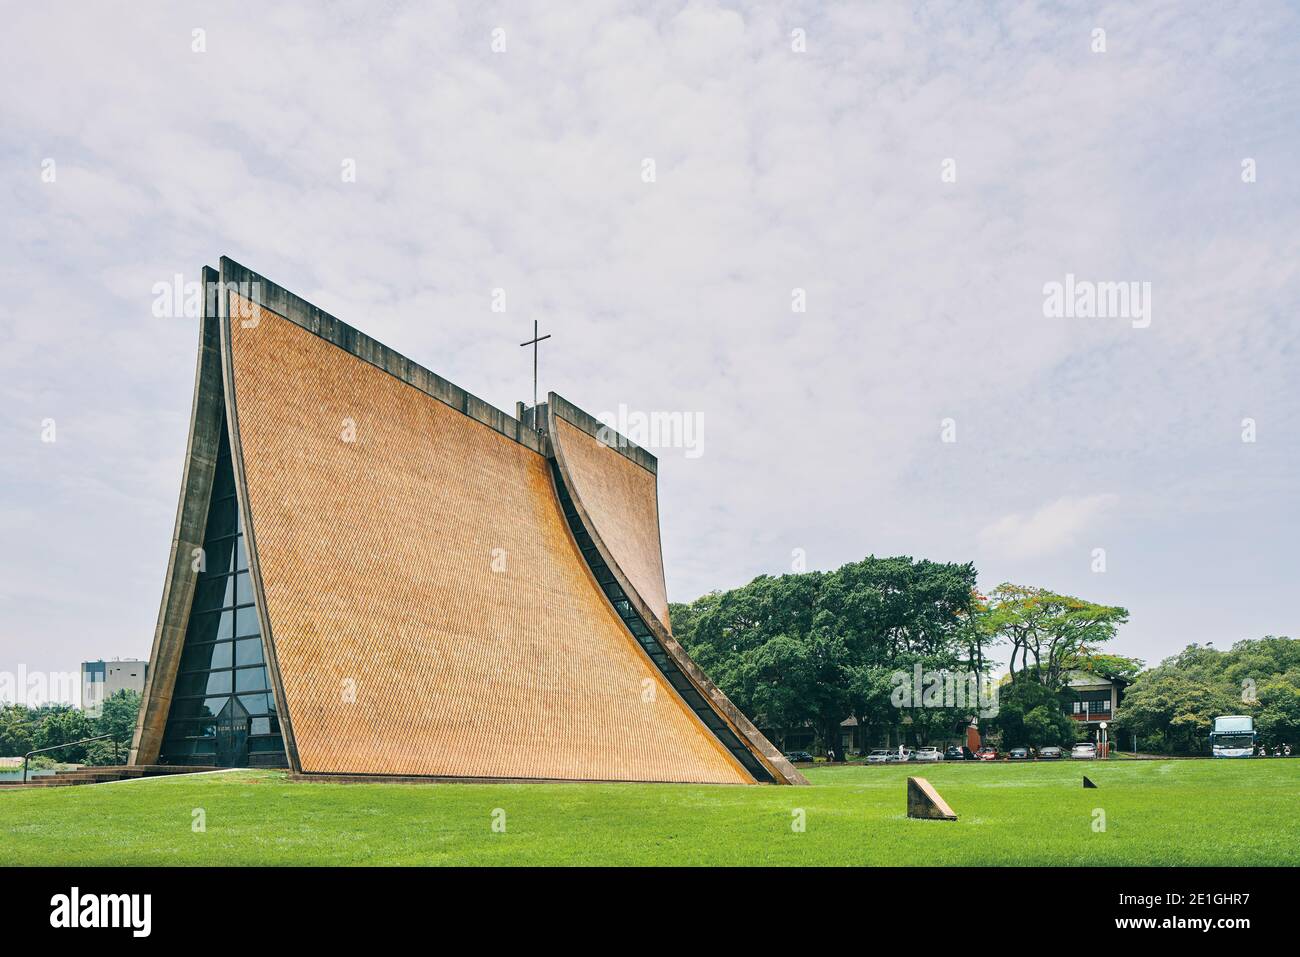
<point>879,756</point>
<point>929,754</point>
<point>1084,751</point>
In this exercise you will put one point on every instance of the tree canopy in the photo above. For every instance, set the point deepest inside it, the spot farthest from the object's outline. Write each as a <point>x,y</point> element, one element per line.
<point>1049,634</point>
<point>1172,707</point>
<point>24,729</point>
<point>817,647</point>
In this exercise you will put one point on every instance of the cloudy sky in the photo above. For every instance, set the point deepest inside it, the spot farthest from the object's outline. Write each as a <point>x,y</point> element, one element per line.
<point>921,172</point>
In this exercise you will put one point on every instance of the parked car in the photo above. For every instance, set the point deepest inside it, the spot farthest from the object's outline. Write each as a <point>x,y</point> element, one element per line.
<point>901,755</point>
<point>1050,753</point>
<point>1018,754</point>
<point>987,754</point>
<point>929,754</point>
<point>880,756</point>
<point>799,757</point>
<point>1084,751</point>
<point>955,753</point>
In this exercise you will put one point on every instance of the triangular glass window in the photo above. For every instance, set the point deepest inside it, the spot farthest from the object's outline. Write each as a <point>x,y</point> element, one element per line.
<point>223,711</point>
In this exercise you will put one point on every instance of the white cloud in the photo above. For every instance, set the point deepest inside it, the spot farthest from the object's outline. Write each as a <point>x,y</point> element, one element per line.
<point>777,169</point>
<point>1047,529</point>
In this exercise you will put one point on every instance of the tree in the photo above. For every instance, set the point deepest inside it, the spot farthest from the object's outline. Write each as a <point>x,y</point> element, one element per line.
<point>775,675</point>
<point>973,635</point>
<point>869,692</point>
<point>1045,724</point>
<point>896,612</point>
<point>819,647</point>
<point>1050,634</point>
<point>17,729</point>
<point>939,710</point>
<point>24,729</point>
<point>1278,717</point>
<point>1171,712</point>
<point>1172,707</point>
<point>1110,666</point>
<point>118,716</point>
<point>685,617</point>
<point>104,754</point>
<point>1031,714</point>
<point>64,723</point>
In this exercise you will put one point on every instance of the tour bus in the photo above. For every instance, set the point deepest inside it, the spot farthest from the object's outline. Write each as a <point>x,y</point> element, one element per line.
<point>1233,736</point>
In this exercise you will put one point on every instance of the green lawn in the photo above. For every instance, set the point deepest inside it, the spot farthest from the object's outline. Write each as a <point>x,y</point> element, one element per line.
<point>1156,812</point>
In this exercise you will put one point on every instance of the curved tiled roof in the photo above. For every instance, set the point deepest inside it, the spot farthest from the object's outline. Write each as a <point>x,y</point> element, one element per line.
<point>434,598</point>
<point>428,608</point>
<point>622,500</point>
<point>610,485</point>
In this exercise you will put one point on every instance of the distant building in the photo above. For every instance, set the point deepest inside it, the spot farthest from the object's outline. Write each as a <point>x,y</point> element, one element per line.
<point>100,680</point>
<point>1093,698</point>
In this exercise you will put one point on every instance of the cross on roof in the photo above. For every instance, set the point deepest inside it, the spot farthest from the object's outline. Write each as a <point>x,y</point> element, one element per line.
<point>533,342</point>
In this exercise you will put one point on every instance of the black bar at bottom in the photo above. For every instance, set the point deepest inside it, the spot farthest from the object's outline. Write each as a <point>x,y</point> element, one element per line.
<point>303,905</point>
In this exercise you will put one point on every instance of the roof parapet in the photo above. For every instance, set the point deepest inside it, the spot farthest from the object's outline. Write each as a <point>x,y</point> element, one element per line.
<point>602,433</point>
<point>317,321</point>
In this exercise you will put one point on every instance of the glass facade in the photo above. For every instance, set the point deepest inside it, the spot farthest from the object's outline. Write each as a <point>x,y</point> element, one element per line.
<point>223,710</point>
<point>646,639</point>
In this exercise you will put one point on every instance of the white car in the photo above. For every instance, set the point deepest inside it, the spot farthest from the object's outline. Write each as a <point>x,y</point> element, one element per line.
<point>879,757</point>
<point>929,754</point>
<point>1086,752</point>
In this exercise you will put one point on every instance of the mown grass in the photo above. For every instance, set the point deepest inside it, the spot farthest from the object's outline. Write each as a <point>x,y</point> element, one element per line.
<point>1156,813</point>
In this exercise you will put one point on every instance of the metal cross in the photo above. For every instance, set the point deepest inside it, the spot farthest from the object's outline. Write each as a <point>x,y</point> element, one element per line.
<point>533,342</point>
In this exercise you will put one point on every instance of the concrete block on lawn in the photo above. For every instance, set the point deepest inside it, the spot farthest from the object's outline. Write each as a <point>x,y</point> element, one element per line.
<point>925,803</point>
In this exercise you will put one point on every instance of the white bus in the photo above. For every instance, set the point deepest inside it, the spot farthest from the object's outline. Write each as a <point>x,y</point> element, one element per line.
<point>1233,736</point>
